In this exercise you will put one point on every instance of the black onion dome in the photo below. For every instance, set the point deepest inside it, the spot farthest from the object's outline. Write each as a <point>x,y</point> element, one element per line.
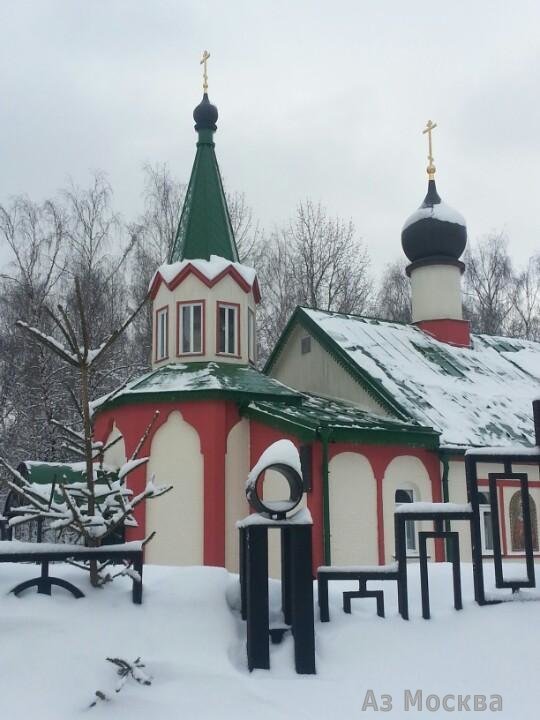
<point>205,115</point>
<point>434,230</point>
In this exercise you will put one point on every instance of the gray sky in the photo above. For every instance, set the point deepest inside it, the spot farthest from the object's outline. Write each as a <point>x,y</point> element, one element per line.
<point>325,100</point>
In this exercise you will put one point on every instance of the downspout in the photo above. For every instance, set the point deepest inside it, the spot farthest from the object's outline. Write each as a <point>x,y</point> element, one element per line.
<point>446,498</point>
<point>324,434</point>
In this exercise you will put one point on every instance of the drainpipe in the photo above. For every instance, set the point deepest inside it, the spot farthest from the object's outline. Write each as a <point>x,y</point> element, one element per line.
<point>446,498</point>
<point>324,434</point>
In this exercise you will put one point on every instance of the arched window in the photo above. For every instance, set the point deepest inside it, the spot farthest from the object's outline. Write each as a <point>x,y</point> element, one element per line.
<point>407,496</point>
<point>517,534</point>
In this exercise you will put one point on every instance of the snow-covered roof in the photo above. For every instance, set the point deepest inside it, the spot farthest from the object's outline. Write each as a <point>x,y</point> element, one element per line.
<point>211,270</point>
<point>338,420</point>
<point>473,396</point>
<point>198,381</point>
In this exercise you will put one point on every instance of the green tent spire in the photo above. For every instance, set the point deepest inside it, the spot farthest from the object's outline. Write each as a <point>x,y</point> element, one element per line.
<point>205,225</point>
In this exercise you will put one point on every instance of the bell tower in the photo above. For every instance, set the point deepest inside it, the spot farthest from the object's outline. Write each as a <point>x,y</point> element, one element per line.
<point>204,299</point>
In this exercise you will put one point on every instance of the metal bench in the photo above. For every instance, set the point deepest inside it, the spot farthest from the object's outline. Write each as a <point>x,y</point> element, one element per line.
<point>45,553</point>
<point>362,573</point>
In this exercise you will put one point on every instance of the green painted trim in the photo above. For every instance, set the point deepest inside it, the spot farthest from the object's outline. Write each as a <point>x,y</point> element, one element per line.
<point>372,386</point>
<point>327,551</point>
<point>303,432</point>
<point>453,451</point>
<point>187,395</point>
<point>410,438</point>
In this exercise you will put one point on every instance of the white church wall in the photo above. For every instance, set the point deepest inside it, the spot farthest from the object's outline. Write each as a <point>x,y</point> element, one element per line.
<point>236,472</point>
<point>436,293</point>
<point>178,516</point>
<point>457,493</point>
<point>316,371</point>
<point>192,289</point>
<point>353,510</point>
<point>404,473</point>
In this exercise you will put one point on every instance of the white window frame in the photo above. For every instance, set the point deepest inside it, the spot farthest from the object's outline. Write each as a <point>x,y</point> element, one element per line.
<point>410,525</point>
<point>252,337</point>
<point>162,333</point>
<point>190,306</point>
<point>235,352</point>
<point>485,510</point>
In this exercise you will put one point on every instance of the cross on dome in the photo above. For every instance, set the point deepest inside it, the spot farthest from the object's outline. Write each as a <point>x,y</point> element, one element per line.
<point>204,61</point>
<point>430,126</point>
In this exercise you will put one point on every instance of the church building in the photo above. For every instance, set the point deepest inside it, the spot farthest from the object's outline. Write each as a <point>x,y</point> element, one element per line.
<point>381,412</point>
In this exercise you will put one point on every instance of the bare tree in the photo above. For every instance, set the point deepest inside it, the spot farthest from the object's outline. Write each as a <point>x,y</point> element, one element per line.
<point>279,293</point>
<point>330,267</point>
<point>30,380</point>
<point>525,314</point>
<point>247,231</point>
<point>316,261</point>
<point>488,284</point>
<point>394,296</point>
<point>155,232</point>
<point>96,510</point>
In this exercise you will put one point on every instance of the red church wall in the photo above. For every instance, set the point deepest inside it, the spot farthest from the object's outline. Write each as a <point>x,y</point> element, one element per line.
<point>212,420</point>
<point>379,456</point>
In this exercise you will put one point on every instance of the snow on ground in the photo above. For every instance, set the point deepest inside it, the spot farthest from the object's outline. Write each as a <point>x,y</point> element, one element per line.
<point>189,634</point>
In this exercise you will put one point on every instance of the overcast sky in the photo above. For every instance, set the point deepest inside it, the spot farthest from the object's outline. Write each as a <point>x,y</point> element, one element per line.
<point>324,100</point>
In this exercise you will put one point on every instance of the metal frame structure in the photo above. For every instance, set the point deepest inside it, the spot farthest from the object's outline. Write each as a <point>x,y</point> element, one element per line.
<point>452,539</point>
<point>44,582</point>
<point>327,574</point>
<point>439,518</point>
<point>296,592</point>
<point>508,460</point>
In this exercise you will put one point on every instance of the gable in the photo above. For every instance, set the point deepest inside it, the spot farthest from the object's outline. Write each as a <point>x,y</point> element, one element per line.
<point>318,372</point>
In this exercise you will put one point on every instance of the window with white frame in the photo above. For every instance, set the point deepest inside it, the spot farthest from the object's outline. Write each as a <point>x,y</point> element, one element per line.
<point>162,333</point>
<point>407,496</point>
<point>227,335</point>
<point>190,328</point>
<point>486,524</point>
<point>251,336</point>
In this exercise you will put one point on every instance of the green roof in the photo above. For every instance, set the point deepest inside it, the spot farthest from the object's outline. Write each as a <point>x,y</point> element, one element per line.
<point>47,473</point>
<point>339,420</point>
<point>473,397</point>
<point>200,381</point>
<point>205,226</point>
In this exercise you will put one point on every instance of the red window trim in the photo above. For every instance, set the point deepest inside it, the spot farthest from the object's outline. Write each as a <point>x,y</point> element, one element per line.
<point>166,356</point>
<point>202,303</point>
<point>253,359</point>
<point>223,303</point>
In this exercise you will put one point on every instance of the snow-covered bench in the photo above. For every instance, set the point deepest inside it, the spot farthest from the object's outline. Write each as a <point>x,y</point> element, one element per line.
<point>362,573</point>
<point>45,553</point>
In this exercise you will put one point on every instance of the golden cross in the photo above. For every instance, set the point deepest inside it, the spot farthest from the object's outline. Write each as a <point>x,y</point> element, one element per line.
<point>430,126</point>
<point>204,60</point>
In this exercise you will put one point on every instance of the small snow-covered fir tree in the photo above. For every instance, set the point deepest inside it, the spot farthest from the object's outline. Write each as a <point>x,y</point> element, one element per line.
<point>97,507</point>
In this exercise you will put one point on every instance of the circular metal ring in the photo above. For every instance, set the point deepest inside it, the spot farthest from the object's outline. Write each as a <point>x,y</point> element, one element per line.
<point>276,509</point>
